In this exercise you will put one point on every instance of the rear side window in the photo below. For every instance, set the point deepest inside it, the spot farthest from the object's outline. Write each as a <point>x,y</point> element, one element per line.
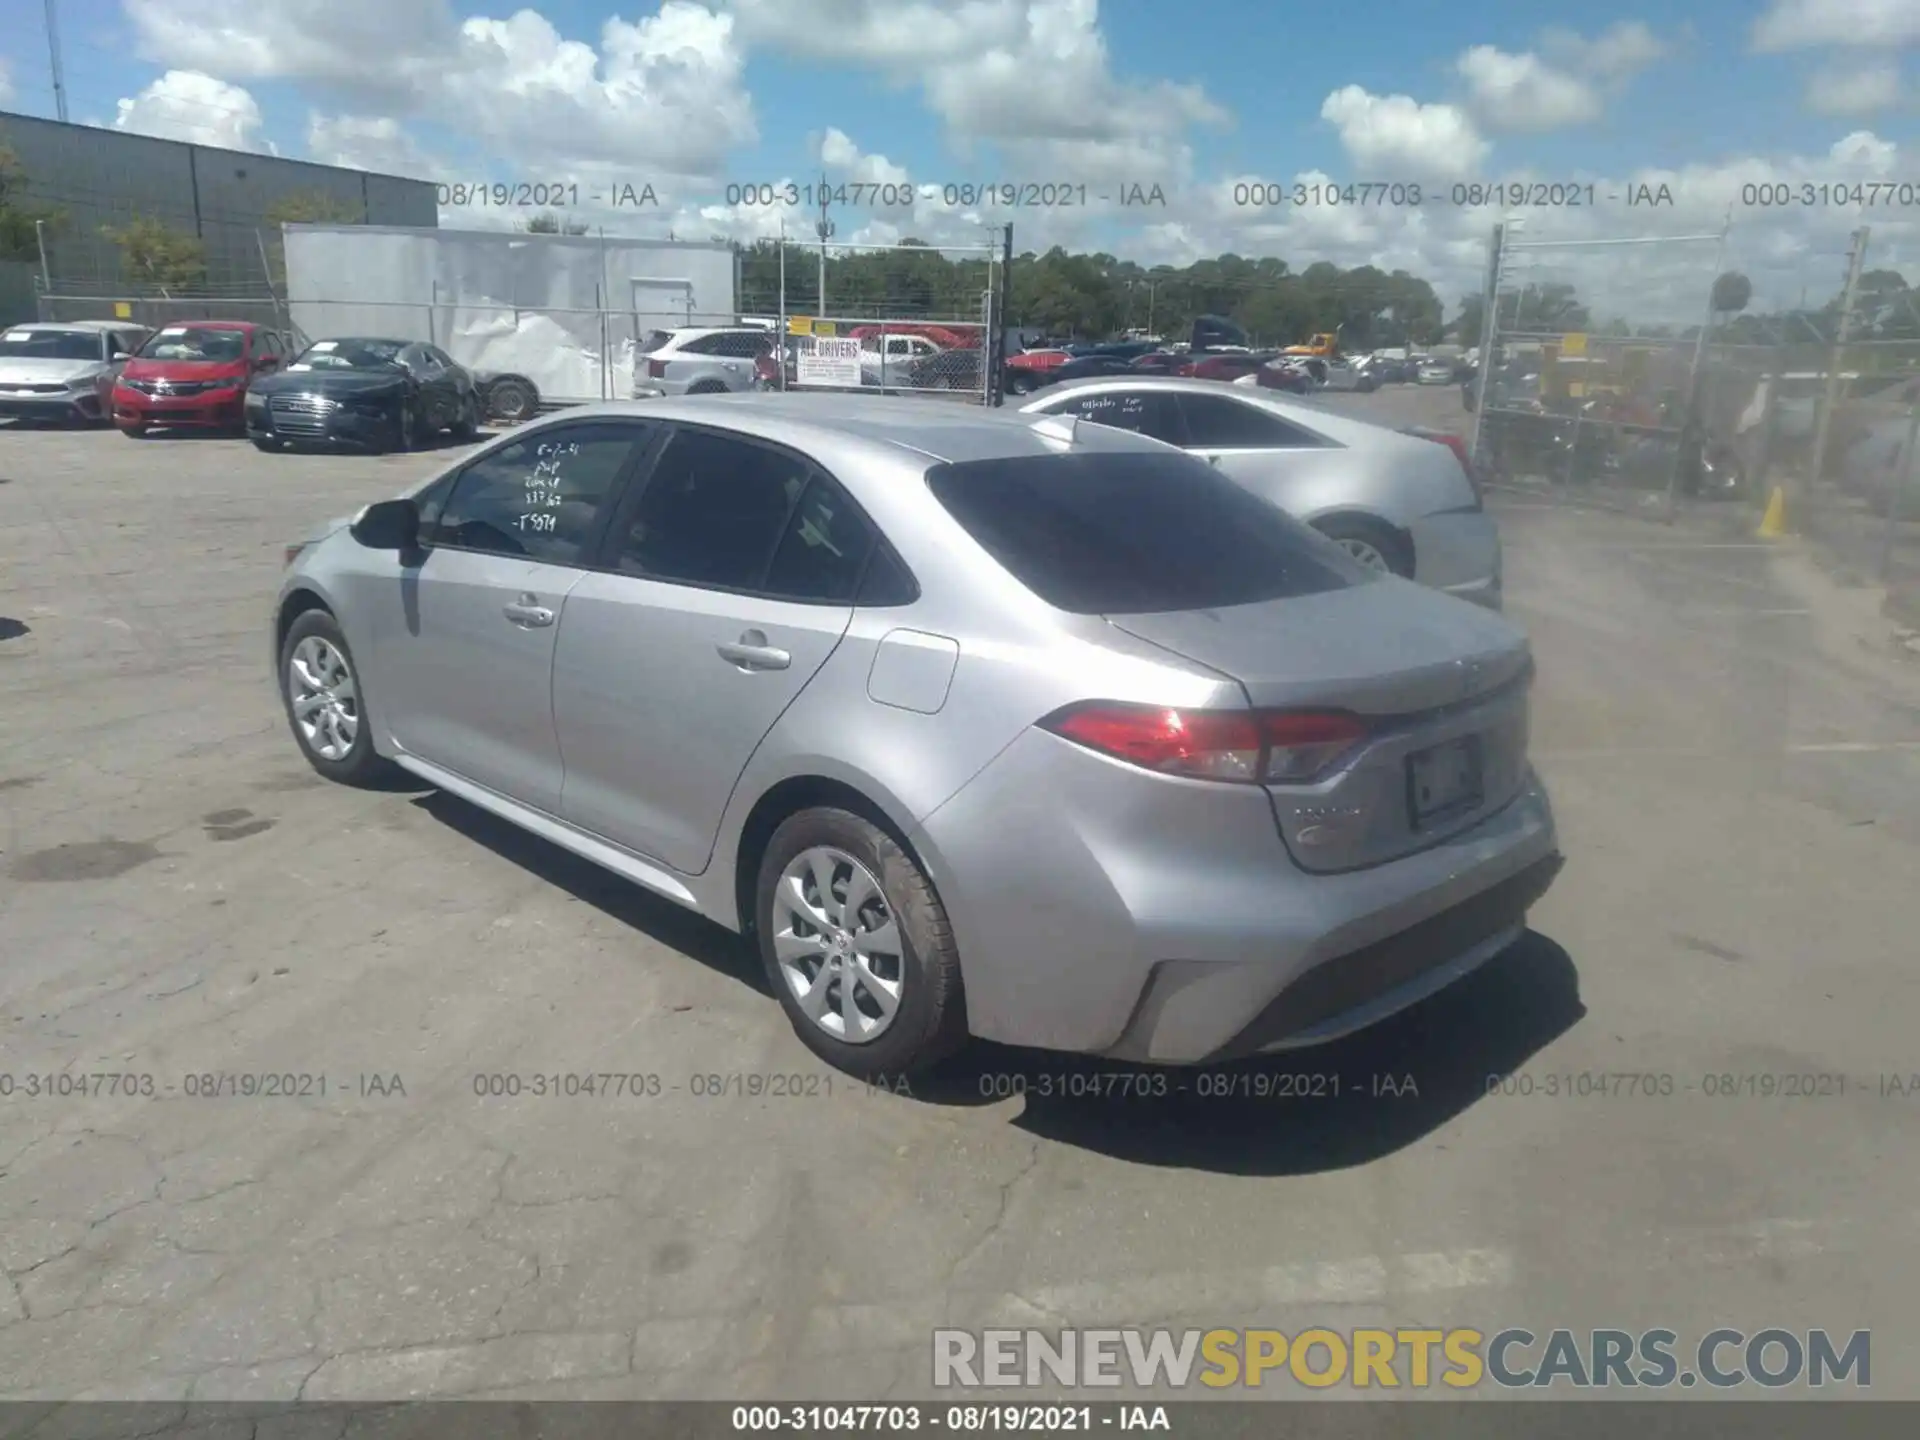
<point>1135,533</point>
<point>1216,423</point>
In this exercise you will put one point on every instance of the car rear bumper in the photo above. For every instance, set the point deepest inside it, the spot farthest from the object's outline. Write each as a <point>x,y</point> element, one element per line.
<point>1162,921</point>
<point>66,405</point>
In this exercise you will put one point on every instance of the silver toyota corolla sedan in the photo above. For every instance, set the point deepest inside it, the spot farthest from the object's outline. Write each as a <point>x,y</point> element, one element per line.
<point>979,723</point>
<point>1395,502</point>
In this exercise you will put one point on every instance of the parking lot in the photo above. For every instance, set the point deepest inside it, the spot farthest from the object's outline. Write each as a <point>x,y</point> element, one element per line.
<point>1732,746</point>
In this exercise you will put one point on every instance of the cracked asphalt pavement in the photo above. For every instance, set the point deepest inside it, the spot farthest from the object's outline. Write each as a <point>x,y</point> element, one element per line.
<point>187,912</point>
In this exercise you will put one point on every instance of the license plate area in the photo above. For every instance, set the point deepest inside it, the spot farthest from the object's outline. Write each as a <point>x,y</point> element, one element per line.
<point>1446,780</point>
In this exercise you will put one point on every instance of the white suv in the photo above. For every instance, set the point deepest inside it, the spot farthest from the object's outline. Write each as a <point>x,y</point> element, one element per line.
<point>698,361</point>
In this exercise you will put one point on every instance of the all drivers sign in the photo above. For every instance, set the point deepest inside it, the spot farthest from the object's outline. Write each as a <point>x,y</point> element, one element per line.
<point>830,360</point>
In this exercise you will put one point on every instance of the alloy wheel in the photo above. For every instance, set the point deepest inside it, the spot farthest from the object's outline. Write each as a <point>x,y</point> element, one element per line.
<point>838,945</point>
<point>324,698</point>
<point>1365,552</point>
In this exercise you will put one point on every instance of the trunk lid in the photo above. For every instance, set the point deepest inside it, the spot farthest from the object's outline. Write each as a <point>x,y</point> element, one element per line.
<point>1442,684</point>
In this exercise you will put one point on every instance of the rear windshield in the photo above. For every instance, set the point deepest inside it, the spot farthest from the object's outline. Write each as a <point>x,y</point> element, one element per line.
<point>1133,534</point>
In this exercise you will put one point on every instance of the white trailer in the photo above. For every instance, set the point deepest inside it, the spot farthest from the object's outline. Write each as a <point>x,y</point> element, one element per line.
<point>566,312</point>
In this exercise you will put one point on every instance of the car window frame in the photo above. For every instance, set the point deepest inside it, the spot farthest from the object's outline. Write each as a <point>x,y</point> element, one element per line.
<point>649,434</point>
<point>1310,439</point>
<point>606,558</point>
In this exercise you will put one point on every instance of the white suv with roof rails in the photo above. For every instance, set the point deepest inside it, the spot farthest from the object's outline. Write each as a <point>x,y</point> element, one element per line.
<point>699,361</point>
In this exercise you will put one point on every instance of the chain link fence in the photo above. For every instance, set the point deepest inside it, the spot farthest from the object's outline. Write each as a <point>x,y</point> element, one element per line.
<point>1591,381</point>
<point>72,300</point>
<point>902,319</point>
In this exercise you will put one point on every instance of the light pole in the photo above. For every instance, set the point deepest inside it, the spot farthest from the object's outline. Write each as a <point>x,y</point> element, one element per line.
<point>824,229</point>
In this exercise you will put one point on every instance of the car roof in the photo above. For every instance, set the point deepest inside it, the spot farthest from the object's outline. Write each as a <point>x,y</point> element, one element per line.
<point>700,332</point>
<point>364,340</point>
<point>924,429</point>
<point>1334,424</point>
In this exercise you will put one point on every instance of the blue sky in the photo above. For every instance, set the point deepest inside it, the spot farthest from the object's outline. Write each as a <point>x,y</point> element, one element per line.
<point>689,95</point>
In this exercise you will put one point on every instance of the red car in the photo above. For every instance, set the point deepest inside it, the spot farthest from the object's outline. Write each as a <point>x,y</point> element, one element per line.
<point>195,374</point>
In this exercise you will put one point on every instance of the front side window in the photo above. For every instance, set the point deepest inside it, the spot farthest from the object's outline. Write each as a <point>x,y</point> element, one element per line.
<point>538,497</point>
<point>1145,412</point>
<point>713,512</point>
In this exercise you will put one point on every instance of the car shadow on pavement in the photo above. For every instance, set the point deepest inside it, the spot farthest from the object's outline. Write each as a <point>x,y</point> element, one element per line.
<point>671,925</point>
<point>1337,1105</point>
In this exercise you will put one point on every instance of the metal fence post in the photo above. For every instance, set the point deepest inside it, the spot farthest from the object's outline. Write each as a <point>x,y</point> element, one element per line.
<point>780,344</point>
<point>1489,328</point>
<point>1691,422</point>
<point>1897,495</point>
<point>1843,329</point>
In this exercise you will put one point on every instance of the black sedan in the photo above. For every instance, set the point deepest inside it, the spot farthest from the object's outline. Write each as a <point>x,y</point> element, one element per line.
<point>367,393</point>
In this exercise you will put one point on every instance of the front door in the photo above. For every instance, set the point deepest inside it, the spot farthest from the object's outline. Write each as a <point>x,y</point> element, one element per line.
<point>729,579</point>
<point>465,634</point>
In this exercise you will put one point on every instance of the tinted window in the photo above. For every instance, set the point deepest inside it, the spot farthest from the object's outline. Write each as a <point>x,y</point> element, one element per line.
<point>1119,534</point>
<point>1217,423</point>
<point>713,511</point>
<point>193,342</point>
<point>825,549</point>
<point>1147,412</point>
<point>539,496</point>
<point>887,581</point>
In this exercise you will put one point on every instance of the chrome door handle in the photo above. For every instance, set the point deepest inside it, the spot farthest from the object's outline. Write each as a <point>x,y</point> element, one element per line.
<point>525,612</point>
<point>751,652</point>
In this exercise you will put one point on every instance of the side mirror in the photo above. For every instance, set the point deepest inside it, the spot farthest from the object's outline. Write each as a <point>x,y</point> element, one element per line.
<point>389,525</point>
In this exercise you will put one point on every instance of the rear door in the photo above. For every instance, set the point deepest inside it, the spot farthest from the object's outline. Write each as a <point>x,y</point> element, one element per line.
<point>463,636</point>
<point>723,585</point>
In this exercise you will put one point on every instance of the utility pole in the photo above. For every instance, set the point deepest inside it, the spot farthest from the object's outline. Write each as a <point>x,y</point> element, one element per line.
<point>53,52</point>
<point>824,229</point>
<point>1856,259</point>
<point>1489,332</point>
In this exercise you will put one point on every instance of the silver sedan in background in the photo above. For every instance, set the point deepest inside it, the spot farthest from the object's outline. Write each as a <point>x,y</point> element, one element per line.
<point>978,723</point>
<point>1394,501</point>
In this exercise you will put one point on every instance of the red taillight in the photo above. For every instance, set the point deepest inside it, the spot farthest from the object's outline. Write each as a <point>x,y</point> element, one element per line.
<point>656,369</point>
<point>1460,452</point>
<point>1244,746</point>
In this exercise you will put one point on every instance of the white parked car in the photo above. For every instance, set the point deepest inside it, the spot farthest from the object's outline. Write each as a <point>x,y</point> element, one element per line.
<point>699,361</point>
<point>1434,372</point>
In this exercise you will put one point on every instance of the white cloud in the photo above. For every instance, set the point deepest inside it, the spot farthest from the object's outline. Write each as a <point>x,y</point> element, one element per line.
<point>838,153</point>
<point>1810,24</point>
<point>366,142</point>
<point>189,105</point>
<point>1394,137</point>
<point>1622,50</point>
<point>1523,92</point>
<point>1855,89</point>
<point>664,95</point>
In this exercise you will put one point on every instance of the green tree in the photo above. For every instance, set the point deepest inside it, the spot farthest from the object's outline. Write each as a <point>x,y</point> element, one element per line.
<point>18,238</point>
<point>304,207</point>
<point>154,253</point>
<point>548,223</point>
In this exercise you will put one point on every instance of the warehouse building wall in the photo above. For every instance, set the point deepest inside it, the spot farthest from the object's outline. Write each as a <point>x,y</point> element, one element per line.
<point>104,178</point>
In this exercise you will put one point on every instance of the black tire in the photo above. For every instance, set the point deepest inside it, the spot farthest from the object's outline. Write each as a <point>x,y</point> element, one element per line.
<point>931,1023</point>
<point>134,432</point>
<point>707,387</point>
<point>1388,543</point>
<point>360,766</point>
<point>511,400</point>
<point>405,431</point>
<point>468,425</point>
<point>261,443</point>
<point>1019,384</point>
